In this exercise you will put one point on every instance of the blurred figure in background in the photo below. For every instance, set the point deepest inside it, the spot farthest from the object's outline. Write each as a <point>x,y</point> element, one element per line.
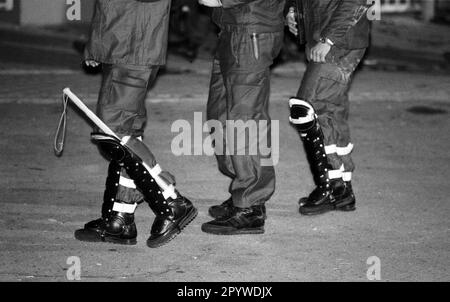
<point>185,36</point>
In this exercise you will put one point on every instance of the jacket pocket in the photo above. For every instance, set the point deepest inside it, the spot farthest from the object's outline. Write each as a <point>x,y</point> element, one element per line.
<point>266,46</point>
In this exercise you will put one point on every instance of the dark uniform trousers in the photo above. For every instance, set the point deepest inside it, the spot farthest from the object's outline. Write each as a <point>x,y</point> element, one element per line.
<point>121,106</point>
<point>326,86</point>
<point>239,91</point>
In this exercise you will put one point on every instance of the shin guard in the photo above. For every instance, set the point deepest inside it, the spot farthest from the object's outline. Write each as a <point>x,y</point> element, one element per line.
<point>135,158</point>
<point>304,118</point>
<point>173,211</point>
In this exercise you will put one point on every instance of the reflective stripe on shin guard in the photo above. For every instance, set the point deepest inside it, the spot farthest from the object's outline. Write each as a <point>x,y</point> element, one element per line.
<point>331,149</point>
<point>341,151</point>
<point>155,190</point>
<point>334,174</point>
<point>126,182</point>
<point>124,207</point>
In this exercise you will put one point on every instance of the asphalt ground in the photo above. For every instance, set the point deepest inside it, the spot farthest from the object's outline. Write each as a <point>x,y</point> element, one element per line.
<point>400,124</point>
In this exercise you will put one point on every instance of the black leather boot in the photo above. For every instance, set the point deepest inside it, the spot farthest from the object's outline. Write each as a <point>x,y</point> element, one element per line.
<point>322,199</point>
<point>170,220</point>
<point>340,197</point>
<point>116,228</point>
<point>346,201</point>
<point>113,226</point>
<point>239,221</point>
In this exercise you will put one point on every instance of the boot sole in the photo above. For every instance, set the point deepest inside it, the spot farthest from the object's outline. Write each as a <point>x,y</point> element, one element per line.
<point>176,229</point>
<point>92,236</point>
<point>221,231</point>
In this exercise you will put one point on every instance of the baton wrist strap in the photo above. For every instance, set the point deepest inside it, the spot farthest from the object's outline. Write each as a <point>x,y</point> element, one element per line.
<point>60,136</point>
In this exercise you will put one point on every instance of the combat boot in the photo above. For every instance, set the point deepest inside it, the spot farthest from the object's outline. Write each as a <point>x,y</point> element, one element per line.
<point>170,220</point>
<point>340,198</point>
<point>113,226</point>
<point>118,228</point>
<point>346,201</point>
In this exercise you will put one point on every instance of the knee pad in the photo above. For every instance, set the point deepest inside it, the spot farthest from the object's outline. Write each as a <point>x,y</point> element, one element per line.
<point>110,146</point>
<point>303,115</point>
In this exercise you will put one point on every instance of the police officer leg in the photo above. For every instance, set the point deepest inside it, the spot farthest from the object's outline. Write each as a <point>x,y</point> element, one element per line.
<point>124,110</point>
<point>246,77</point>
<point>217,112</point>
<point>319,93</point>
